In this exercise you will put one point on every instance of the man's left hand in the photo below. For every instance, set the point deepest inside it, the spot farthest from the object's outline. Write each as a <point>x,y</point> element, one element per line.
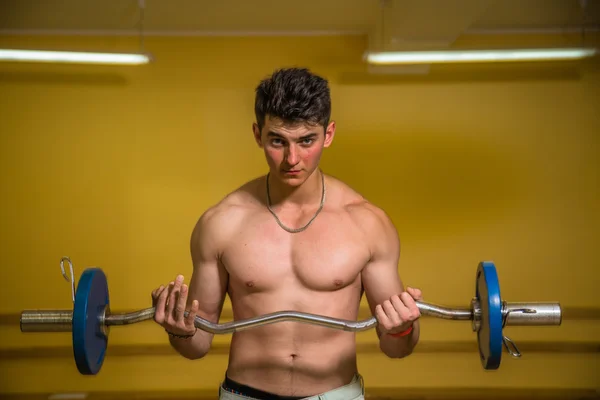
<point>398,313</point>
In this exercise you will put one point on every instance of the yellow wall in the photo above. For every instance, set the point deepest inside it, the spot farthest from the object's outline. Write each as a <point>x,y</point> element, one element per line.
<point>113,165</point>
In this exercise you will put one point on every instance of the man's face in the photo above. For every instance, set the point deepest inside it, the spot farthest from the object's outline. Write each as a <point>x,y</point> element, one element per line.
<point>293,151</point>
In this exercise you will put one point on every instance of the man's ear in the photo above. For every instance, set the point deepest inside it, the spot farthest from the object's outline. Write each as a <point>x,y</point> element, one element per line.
<point>329,134</point>
<point>257,135</point>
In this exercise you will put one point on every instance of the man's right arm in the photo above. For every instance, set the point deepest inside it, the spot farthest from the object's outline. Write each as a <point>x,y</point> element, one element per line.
<point>208,284</point>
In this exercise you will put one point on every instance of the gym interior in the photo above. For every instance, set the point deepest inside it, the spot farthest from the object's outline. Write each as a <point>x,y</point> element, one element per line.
<point>111,165</point>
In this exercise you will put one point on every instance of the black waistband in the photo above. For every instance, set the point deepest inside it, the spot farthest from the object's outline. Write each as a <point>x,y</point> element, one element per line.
<point>237,388</point>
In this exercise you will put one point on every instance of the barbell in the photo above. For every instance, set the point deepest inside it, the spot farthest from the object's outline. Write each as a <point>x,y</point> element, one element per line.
<point>90,319</point>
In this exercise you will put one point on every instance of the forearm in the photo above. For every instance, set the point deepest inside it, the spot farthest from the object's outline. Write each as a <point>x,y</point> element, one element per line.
<point>194,347</point>
<point>399,347</point>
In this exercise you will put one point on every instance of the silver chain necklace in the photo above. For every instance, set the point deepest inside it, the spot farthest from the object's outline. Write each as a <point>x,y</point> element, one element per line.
<point>296,230</point>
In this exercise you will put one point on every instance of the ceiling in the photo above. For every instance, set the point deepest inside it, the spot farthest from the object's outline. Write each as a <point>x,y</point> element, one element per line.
<point>438,22</point>
<point>352,16</point>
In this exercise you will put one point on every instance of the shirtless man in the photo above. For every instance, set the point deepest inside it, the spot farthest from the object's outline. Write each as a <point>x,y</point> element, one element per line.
<point>295,239</point>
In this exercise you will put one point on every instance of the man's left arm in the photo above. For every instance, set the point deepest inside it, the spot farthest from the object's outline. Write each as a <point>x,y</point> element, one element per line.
<point>395,309</point>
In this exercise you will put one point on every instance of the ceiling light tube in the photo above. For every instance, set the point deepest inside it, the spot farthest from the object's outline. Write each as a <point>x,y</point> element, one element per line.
<point>73,57</point>
<point>473,56</point>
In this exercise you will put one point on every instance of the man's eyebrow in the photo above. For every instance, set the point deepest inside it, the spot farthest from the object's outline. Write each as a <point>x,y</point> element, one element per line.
<point>307,136</point>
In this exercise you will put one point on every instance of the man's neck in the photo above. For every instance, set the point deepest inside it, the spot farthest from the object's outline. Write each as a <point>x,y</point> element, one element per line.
<point>307,194</point>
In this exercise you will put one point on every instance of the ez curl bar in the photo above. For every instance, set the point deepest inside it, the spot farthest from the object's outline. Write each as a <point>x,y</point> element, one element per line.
<point>90,319</point>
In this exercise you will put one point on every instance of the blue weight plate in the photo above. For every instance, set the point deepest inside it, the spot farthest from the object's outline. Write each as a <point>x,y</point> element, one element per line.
<point>490,333</point>
<point>89,341</point>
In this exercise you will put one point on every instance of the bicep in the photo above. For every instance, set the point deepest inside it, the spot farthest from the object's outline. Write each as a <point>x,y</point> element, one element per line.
<point>380,276</point>
<point>208,284</point>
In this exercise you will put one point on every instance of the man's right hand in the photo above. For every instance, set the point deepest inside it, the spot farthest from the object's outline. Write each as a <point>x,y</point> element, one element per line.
<point>170,303</point>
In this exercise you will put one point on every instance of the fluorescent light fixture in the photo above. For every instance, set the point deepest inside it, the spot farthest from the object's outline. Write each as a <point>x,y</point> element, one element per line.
<point>466,56</point>
<point>73,57</point>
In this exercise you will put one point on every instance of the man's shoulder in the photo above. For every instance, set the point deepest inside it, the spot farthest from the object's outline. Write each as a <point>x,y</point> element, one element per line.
<point>376,227</point>
<point>370,217</point>
<point>233,207</point>
<point>367,216</point>
<point>357,205</point>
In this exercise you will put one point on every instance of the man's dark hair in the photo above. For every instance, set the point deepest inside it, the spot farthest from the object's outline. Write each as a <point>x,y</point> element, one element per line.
<point>293,95</point>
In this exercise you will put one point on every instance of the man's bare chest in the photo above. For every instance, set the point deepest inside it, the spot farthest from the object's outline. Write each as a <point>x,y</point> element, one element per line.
<point>328,255</point>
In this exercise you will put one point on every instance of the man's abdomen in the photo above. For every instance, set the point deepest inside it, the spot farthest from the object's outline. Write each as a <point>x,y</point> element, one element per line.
<point>291,358</point>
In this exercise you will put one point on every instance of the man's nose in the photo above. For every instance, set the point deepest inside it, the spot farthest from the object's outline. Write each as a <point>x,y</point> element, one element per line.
<point>292,157</point>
